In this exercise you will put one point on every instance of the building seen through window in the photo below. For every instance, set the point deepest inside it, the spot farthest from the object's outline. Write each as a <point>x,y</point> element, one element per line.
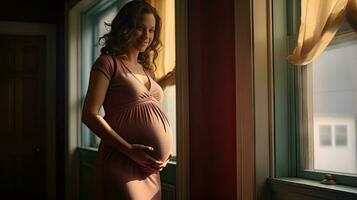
<point>331,109</point>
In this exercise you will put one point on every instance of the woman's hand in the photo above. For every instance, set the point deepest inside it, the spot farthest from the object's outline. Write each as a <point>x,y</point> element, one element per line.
<point>171,77</point>
<point>161,167</point>
<point>138,153</point>
<point>168,80</point>
<point>165,163</point>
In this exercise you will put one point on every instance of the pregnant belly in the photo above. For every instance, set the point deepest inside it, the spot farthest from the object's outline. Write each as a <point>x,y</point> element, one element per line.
<point>155,136</point>
<point>147,125</point>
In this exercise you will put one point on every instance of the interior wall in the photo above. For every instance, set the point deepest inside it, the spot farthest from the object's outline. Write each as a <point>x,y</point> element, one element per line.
<point>43,11</point>
<point>211,57</point>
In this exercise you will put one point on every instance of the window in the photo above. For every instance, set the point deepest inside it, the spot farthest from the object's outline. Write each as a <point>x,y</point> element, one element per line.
<point>340,135</point>
<point>332,95</point>
<point>325,135</point>
<point>92,21</point>
<point>85,26</point>
<point>315,105</point>
<point>93,27</point>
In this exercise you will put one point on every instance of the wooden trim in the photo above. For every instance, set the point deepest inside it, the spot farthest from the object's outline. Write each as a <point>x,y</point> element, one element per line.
<point>282,162</point>
<point>49,30</point>
<point>72,94</point>
<point>307,138</point>
<point>182,91</point>
<point>271,88</point>
<point>262,95</point>
<point>244,100</point>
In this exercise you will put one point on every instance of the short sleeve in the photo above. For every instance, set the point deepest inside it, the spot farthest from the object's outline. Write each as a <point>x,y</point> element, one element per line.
<point>104,65</point>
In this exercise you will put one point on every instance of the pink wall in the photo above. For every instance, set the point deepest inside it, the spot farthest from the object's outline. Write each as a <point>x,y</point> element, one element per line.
<point>212,99</point>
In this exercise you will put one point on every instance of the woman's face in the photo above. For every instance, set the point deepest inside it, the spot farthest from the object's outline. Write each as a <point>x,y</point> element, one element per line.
<point>144,33</point>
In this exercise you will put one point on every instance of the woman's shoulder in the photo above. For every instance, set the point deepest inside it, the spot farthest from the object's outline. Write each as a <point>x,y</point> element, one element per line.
<point>105,64</point>
<point>105,59</point>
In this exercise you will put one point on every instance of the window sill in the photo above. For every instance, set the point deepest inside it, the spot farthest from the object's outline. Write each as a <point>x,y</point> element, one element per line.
<point>89,149</point>
<point>297,187</point>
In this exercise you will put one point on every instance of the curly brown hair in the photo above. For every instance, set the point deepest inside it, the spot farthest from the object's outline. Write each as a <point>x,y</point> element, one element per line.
<point>122,30</point>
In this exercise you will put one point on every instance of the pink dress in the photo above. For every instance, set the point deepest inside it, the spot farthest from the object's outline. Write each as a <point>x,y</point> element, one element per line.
<point>134,112</point>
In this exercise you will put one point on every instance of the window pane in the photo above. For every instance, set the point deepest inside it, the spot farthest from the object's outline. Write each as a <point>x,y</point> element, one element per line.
<point>89,139</point>
<point>341,135</point>
<point>102,29</point>
<point>169,107</point>
<point>325,135</point>
<point>331,98</point>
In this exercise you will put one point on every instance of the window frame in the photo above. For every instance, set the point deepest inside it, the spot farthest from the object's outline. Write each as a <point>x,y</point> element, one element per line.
<point>288,117</point>
<point>89,38</point>
<point>89,41</point>
<point>343,179</point>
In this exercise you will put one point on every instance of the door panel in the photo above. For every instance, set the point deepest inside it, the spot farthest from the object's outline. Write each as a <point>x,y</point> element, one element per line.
<point>23,117</point>
<point>7,106</point>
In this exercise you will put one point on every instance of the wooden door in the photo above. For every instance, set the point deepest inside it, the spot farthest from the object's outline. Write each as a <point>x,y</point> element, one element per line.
<point>22,117</point>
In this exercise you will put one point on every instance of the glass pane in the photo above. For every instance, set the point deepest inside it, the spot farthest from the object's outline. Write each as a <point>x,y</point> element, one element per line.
<point>102,29</point>
<point>325,135</point>
<point>89,139</point>
<point>169,107</point>
<point>333,107</point>
<point>341,135</point>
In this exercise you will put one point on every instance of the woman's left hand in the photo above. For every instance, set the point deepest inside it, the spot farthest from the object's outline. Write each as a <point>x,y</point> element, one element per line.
<point>171,77</point>
<point>168,80</point>
<point>161,167</point>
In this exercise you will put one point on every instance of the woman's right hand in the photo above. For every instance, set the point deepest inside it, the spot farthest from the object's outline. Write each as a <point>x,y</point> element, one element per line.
<point>138,153</point>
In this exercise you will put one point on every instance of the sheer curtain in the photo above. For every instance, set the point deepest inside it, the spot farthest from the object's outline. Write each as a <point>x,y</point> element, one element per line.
<point>320,20</point>
<point>166,59</point>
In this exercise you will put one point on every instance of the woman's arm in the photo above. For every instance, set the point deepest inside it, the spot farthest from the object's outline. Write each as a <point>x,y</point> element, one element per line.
<point>97,89</point>
<point>98,86</point>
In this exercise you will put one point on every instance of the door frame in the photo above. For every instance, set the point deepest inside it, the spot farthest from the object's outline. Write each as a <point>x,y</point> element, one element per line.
<point>49,31</point>
<point>254,98</point>
<point>182,101</point>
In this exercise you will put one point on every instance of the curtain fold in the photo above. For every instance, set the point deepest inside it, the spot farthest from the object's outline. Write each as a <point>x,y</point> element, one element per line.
<point>166,59</point>
<point>320,20</point>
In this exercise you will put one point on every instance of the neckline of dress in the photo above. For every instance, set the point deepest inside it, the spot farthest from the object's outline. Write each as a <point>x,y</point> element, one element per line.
<point>141,83</point>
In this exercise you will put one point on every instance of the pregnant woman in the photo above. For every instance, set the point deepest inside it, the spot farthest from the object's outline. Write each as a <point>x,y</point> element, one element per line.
<point>136,138</point>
